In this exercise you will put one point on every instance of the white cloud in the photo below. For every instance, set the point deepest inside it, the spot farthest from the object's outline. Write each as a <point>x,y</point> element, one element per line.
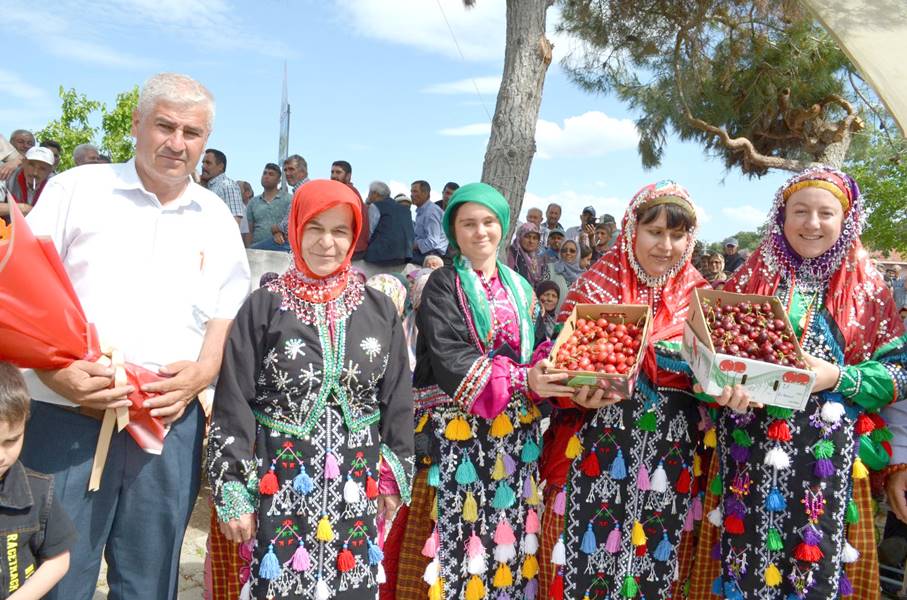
<point>590,134</point>
<point>485,85</point>
<point>12,85</point>
<point>468,130</point>
<point>745,213</point>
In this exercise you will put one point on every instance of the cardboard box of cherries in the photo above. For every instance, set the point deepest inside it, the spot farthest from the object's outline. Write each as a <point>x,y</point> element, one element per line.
<point>602,345</point>
<point>746,339</point>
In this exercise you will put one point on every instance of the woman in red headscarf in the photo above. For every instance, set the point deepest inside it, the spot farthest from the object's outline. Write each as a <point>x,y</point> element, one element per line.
<point>620,475</point>
<point>789,507</point>
<point>315,383</point>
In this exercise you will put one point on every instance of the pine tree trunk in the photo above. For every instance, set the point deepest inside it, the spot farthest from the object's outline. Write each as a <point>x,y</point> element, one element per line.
<point>835,153</point>
<point>511,145</point>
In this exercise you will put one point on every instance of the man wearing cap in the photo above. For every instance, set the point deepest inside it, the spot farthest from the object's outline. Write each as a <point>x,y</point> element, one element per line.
<point>732,258</point>
<point>27,182</point>
<point>584,233</point>
<point>555,238</point>
<point>552,221</point>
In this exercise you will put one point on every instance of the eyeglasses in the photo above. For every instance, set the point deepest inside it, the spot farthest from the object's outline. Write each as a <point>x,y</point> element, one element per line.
<point>568,251</point>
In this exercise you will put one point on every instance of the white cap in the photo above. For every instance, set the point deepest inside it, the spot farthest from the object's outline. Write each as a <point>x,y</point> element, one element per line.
<point>39,153</point>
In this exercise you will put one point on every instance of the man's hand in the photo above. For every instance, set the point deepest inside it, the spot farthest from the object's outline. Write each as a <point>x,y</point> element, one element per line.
<point>87,384</point>
<point>278,238</point>
<point>239,530</point>
<point>7,168</point>
<point>388,505</point>
<point>597,400</point>
<point>184,382</point>
<point>544,384</point>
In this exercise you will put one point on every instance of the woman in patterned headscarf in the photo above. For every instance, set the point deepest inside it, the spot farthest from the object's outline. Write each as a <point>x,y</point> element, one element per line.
<point>619,474</point>
<point>790,514</point>
<point>315,383</point>
<point>524,256</point>
<point>474,514</point>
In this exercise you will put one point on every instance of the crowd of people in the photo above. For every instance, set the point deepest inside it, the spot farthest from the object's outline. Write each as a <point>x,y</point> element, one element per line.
<point>382,420</point>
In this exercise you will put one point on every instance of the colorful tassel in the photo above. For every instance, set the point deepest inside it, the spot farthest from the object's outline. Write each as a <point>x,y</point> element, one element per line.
<point>530,452</point>
<point>863,425</point>
<point>324,532</point>
<point>590,466</point>
<point>777,458</point>
<point>740,454</point>
<point>432,572</point>
<point>504,496</point>
<point>733,525</point>
<point>430,547</point>
<point>530,567</point>
<point>642,479</point>
<point>732,591</point>
<point>612,544</point>
<point>683,481</point>
<point>475,589</point>
<point>246,592</point>
<point>779,431</point>
<point>331,468</point>
<point>859,469</point>
<point>808,553</point>
<point>845,588</point>
<point>778,412</point>
<point>436,591</point>
<point>375,553</point>
<point>503,533</point>
<point>476,565</point>
<point>560,503</point>
<point>268,484</point>
<point>638,535</point>
<point>345,560</point>
<point>302,483</point>
<point>532,521</point>
<point>697,465</point>
<point>696,508</point>
<point>530,543</point>
<point>663,549</point>
<point>775,501</point>
<point>531,492</point>
<point>351,493</point>
<point>715,517</point>
<point>270,566</point>
<point>688,523</point>
<point>710,439</point>
<point>466,472</point>
<point>589,544</point>
<point>503,577</point>
<point>773,540</point>
<point>301,561</point>
<point>852,514</point>
<point>556,591</point>
<point>499,472</point>
<point>458,430</point>
<point>718,586</point>
<point>531,591</point>
<point>434,476</point>
<point>630,588</point>
<point>371,488</point>
<point>470,509</point>
<point>574,447</point>
<point>648,422</point>
<point>824,468</point>
<point>559,553</point>
<point>423,420</point>
<point>474,546</point>
<point>659,480</point>
<point>772,576</point>
<point>322,591</point>
<point>849,554</point>
<point>716,486</point>
<point>618,469</point>
<point>832,412</point>
<point>824,449</point>
<point>501,426</point>
<point>509,464</point>
<point>742,438</point>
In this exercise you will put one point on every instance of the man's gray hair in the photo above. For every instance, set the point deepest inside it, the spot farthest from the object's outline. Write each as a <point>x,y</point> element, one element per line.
<point>81,149</point>
<point>380,188</point>
<point>177,89</point>
<point>298,161</point>
<point>20,131</point>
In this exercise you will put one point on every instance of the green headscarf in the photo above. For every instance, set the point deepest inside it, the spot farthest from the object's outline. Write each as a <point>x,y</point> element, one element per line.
<point>521,293</point>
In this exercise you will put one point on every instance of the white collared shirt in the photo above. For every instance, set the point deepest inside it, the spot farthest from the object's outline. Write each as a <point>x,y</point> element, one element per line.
<point>149,276</point>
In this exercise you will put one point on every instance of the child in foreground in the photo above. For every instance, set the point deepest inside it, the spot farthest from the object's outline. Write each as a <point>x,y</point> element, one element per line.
<point>35,533</point>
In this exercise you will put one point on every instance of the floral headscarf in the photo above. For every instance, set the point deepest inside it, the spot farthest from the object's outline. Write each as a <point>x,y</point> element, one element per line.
<point>391,287</point>
<point>531,266</point>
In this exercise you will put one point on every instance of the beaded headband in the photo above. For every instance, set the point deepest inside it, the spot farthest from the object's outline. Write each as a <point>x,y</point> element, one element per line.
<point>668,199</point>
<point>829,185</point>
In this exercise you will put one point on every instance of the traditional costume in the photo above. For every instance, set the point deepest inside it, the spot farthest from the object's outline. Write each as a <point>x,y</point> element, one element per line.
<point>789,507</point>
<point>315,383</point>
<point>473,524</point>
<point>620,489</point>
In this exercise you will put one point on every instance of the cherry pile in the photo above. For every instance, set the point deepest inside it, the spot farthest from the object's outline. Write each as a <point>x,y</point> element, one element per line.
<point>601,346</point>
<point>751,330</point>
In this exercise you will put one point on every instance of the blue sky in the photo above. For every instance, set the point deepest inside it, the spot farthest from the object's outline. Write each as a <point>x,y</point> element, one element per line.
<point>379,83</point>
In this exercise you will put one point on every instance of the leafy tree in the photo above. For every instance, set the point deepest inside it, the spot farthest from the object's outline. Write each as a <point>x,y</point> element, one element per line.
<point>758,83</point>
<point>747,240</point>
<point>117,127</point>
<point>76,125</point>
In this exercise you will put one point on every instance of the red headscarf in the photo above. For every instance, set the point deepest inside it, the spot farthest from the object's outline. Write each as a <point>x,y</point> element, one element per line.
<point>856,295</point>
<point>312,199</point>
<point>618,278</point>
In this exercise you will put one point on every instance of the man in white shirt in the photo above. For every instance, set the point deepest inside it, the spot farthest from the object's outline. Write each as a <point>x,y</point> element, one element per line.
<point>158,268</point>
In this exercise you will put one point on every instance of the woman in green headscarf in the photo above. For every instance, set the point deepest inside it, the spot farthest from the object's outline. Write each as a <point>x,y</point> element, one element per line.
<point>474,518</point>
